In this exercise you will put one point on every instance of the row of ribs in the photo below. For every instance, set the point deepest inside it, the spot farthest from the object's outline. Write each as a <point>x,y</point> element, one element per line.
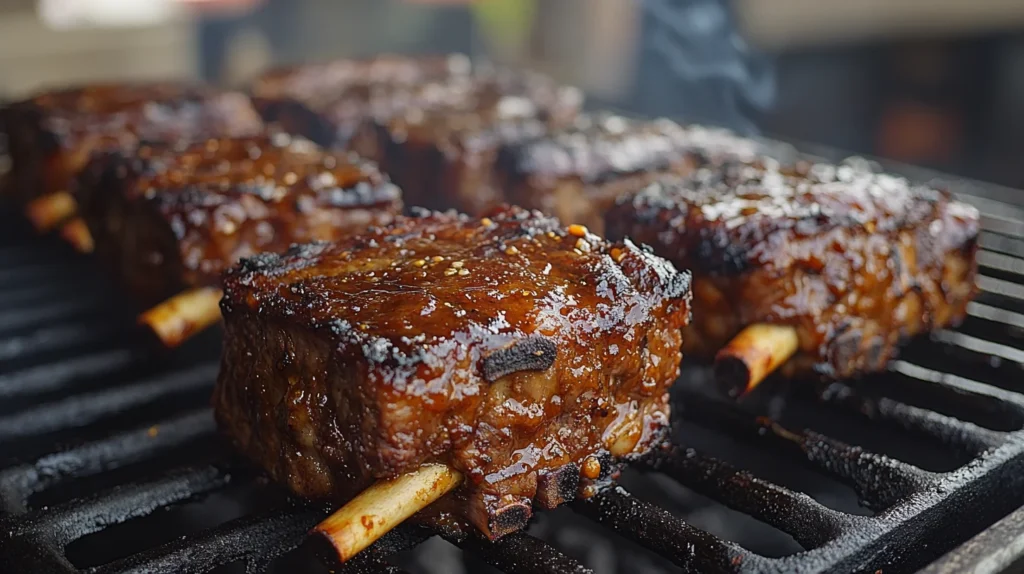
<point>513,350</point>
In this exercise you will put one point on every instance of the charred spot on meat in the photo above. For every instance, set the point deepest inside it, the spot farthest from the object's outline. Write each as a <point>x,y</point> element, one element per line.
<point>534,353</point>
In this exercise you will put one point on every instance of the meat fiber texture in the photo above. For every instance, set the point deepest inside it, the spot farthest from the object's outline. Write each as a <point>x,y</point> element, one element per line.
<point>509,347</point>
<point>857,262</point>
<point>168,217</point>
<point>52,135</point>
<point>577,173</point>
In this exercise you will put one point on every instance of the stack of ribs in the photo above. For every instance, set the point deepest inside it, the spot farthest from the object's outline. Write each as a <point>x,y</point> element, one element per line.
<point>434,127</point>
<point>527,357</point>
<point>577,173</point>
<point>820,273</point>
<point>169,217</point>
<point>51,136</point>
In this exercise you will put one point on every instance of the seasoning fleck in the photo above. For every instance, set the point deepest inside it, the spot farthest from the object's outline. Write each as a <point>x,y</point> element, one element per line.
<point>511,250</point>
<point>578,230</point>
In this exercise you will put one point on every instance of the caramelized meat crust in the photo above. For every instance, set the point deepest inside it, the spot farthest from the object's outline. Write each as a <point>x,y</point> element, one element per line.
<point>51,136</point>
<point>507,347</point>
<point>855,261</point>
<point>577,173</point>
<point>176,215</point>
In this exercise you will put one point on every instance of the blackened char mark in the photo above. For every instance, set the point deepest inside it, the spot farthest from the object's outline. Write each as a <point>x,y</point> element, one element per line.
<point>534,353</point>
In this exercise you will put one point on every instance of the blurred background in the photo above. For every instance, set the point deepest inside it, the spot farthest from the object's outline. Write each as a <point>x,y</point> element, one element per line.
<point>937,83</point>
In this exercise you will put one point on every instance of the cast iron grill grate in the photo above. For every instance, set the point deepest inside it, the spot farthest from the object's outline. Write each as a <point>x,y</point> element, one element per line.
<point>96,432</point>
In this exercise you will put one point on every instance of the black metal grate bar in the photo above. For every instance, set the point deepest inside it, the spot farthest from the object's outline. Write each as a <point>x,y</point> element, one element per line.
<point>76,519</point>
<point>54,338</point>
<point>523,554</point>
<point>16,320</point>
<point>658,530</point>
<point>17,277</point>
<point>256,539</point>
<point>59,375</point>
<point>81,410</point>
<point>18,483</point>
<point>957,383</point>
<point>879,480</point>
<point>810,523</point>
<point>946,430</point>
<point>34,294</point>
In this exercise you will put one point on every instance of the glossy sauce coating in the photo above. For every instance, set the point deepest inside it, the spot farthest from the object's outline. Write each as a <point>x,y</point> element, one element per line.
<point>53,135</point>
<point>508,347</point>
<point>856,261</point>
<point>178,215</point>
<point>577,173</point>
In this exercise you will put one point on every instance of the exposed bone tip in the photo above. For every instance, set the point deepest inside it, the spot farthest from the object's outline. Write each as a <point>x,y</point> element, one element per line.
<point>48,211</point>
<point>76,232</point>
<point>383,506</point>
<point>177,319</point>
<point>752,355</point>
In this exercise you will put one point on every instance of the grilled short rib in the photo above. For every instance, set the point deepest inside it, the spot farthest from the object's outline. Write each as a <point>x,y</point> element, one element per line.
<point>509,347</point>
<point>856,261</point>
<point>577,173</point>
<point>52,135</point>
<point>442,147</point>
<point>169,216</point>
<point>328,102</point>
